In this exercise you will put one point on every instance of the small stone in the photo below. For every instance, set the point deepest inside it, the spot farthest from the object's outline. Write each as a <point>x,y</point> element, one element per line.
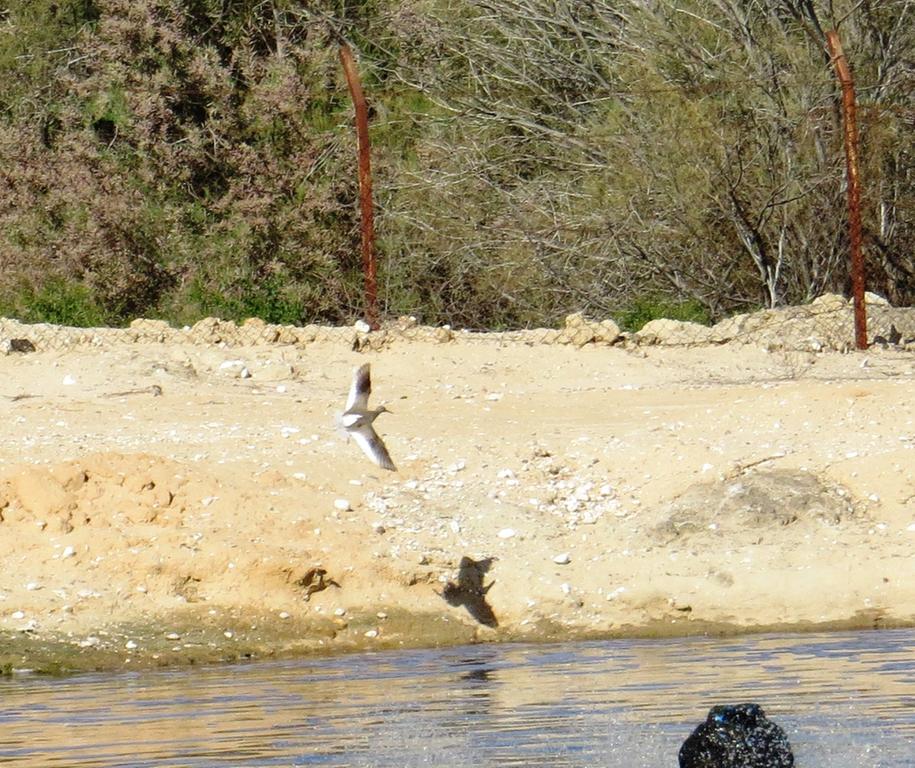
<point>361,326</point>
<point>142,589</point>
<point>89,642</point>
<point>17,615</point>
<point>130,645</point>
<point>342,504</point>
<point>173,636</point>
<point>455,526</point>
<point>229,634</point>
<point>69,381</point>
<point>284,614</point>
<point>381,615</point>
<point>372,633</point>
<point>506,533</point>
<point>32,586</point>
<point>562,559</point>
<point>566,589</point>
<point>339,611</point>
<point>68,552</point>
<point>378,527</point>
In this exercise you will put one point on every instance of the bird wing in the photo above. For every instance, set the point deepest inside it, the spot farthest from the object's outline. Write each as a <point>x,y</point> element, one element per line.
<point>373,446</point>
<point>360,389</point>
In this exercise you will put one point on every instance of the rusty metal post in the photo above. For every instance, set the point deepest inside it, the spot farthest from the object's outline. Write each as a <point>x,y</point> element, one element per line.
<point>365,186</point>
<point>843,73</point>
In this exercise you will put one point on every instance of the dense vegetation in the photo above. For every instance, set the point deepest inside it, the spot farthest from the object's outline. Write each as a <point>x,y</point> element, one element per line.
<point>179,158</point>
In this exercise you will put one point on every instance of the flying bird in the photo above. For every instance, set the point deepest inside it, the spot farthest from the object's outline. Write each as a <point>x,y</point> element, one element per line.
<point>358,417</point>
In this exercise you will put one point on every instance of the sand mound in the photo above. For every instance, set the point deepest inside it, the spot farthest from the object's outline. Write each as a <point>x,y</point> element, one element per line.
<point>763,500</point>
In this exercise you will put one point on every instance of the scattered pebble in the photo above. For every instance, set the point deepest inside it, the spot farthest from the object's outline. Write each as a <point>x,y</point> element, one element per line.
<point>340,612</point>
<point>284,614</point>
<point>562,559</point>
<point>342,504</point>
<point>372,633</point>
<point>130,645</point>
<point>229,634</point>
<point>17,615</point>
<point>506,533</point>
<point>68,552</point>
<point>173,636</point>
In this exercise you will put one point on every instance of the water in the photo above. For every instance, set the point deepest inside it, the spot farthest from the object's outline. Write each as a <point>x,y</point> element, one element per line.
<point>846,700</point>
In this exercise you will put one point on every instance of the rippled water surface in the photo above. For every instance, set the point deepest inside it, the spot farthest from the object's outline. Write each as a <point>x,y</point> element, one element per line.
<point>846,700</point>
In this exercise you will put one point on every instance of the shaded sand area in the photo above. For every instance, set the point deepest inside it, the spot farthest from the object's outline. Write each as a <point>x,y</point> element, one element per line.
<point>191,501</point>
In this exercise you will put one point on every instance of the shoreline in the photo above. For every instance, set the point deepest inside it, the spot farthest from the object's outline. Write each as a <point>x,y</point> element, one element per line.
<point>194,642</point>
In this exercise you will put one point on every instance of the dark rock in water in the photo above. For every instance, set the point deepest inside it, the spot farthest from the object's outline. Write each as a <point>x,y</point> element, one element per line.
<point>737,736</point>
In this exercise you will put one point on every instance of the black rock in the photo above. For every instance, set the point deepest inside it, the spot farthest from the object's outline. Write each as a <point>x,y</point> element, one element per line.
<point>737,736</point>
<point>21,345</point>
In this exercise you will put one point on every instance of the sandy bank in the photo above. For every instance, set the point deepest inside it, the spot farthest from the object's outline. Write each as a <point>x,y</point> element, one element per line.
<point>166,502</point>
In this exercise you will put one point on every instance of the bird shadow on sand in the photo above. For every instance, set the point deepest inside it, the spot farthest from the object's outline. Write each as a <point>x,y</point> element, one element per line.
<point>470,592</point>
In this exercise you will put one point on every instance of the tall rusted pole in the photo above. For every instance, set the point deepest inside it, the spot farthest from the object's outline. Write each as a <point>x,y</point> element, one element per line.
<point>365,185</point>
<point>843,73</point>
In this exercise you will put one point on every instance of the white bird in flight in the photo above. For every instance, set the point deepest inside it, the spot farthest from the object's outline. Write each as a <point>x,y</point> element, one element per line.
<point>358,417</point>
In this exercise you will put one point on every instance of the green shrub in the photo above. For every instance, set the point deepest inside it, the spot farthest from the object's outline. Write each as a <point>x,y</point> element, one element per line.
<point>57,301</point>
<point>647,308</point>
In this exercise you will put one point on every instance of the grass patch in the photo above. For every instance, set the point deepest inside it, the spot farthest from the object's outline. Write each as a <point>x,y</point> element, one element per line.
<point>647,308</point>
<point>58,301</point>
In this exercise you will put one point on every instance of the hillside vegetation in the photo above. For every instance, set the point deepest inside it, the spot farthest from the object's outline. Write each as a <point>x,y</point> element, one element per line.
<point>182,158</point>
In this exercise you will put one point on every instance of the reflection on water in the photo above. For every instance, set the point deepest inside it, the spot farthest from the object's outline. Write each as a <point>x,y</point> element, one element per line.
<point>845,700</point>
